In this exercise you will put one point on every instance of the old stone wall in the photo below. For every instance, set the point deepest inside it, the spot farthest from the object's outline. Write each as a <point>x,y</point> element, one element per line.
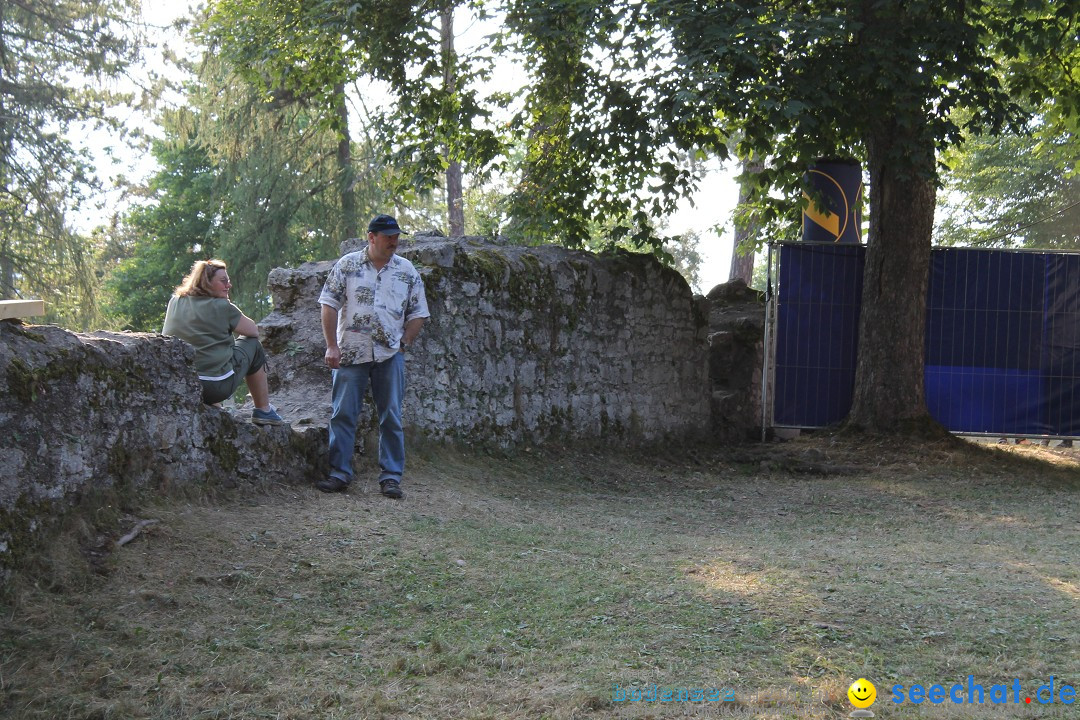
<point>736,358</point>
<point>525,344</point>
<point>535,344</point>
<point>81,413</point>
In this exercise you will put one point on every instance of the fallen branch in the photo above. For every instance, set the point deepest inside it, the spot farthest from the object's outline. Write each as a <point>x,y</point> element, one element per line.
<point>134,532</point>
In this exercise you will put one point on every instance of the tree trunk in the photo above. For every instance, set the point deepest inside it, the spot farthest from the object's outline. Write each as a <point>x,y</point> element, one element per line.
<point>344,160</point>
<point>454,203</point>
<point>889,394</point>
<point>742,264</point>
<point>455,206</point>
<point>7,276</point>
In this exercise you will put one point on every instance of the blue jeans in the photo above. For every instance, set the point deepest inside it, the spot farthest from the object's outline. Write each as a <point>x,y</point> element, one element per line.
<point>387,381</point>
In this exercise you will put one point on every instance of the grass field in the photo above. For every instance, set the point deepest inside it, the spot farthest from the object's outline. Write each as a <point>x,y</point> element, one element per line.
<point>544,584</point>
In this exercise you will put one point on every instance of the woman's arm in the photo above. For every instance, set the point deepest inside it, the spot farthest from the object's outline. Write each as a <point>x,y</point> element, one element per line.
<point>247,327</point>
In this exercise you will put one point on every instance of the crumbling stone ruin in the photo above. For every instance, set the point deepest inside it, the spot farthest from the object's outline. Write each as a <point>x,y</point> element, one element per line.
<point>525,345</point>
<point>85,414</point>
<point>736,342</point>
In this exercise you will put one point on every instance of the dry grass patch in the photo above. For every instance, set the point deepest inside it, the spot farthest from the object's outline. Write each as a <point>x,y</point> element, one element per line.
<point>531,586</point>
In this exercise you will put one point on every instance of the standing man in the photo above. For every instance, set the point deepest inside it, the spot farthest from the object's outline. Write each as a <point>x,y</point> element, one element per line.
<point>373,307</point>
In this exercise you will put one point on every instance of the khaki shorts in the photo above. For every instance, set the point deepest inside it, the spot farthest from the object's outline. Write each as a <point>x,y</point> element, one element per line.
<point>248,357</point>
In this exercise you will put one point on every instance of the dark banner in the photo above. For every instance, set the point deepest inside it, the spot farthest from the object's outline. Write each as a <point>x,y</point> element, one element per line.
<point>839,186</point>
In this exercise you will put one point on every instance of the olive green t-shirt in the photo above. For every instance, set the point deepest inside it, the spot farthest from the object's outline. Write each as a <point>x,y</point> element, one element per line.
<point>207,324</point>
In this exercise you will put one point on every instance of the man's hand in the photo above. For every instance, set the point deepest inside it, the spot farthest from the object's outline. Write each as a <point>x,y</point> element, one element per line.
<point>329,318</point>
<point>333,357</point>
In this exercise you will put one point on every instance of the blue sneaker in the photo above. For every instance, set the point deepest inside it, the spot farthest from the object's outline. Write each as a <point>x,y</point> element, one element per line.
<point>266,417</point>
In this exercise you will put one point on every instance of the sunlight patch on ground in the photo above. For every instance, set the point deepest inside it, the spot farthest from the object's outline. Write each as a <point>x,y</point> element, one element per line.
<point>1067,588</point>
<point>724,578</point>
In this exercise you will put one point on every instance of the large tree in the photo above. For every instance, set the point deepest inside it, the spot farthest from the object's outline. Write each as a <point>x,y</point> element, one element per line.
<point>286,190</point>
<point>746,229</point>
<point>891,83</point>
<point>55,56</point>
<point>896,83</point>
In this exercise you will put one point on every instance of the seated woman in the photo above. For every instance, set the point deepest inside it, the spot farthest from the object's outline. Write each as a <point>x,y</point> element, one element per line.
<point>200,314</point>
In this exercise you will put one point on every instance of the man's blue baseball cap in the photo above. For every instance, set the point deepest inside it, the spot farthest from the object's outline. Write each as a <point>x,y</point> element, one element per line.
<point>385,224</point>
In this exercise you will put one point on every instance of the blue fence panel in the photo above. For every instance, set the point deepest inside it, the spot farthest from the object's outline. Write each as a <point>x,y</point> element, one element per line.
<point>820,288</point>
<point>1002,338</point>
<point>1061,343</point>
<point>984,332</point>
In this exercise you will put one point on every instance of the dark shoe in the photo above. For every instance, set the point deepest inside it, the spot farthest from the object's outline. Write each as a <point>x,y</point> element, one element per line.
<point>266,417</point>
<point>391,489</point>
<point>331,484</point>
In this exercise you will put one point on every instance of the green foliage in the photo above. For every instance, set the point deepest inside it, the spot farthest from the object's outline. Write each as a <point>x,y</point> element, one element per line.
<point>679,252</point>
<point>280,186</point>
<point>685,257</point>
<point>303,50</point>
<point>760,279</point>
<point>620,94</point>
<point>483,211</point>
<point>164,237</point>
<point>55,60</point>
<point>254,183</point>
<point>1013,191</point>
<point>604,144</point>
<point>620,88</point>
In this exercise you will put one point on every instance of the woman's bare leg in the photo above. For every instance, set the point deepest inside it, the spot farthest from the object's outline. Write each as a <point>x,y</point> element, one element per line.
<point>257,386</point>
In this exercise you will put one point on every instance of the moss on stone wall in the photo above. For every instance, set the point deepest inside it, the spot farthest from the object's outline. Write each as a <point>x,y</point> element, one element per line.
<point>22,383</point>
<point>223,447</point>
<point>530,284</point>
<point>491,266</point>
<point>23,528</point>
<point>26,383</point>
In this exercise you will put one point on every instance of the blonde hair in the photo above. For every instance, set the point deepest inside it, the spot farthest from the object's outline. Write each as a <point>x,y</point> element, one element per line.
<point>197,282</point>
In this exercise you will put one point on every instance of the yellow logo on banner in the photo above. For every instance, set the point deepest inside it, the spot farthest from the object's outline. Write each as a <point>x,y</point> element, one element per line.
<point>824,218</point>
<point>827,220</point>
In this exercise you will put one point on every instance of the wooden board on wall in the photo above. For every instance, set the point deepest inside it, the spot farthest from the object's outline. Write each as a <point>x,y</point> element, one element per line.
<point>21,308</point>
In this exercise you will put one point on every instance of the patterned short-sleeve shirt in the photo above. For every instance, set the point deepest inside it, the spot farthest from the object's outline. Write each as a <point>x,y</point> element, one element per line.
<point>374,305</point>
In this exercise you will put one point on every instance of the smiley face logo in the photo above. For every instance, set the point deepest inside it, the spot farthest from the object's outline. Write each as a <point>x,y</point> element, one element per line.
<point>862,693</point>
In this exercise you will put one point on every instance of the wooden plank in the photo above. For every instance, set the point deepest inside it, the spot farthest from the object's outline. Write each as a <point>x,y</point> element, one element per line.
<point>21,308</point>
